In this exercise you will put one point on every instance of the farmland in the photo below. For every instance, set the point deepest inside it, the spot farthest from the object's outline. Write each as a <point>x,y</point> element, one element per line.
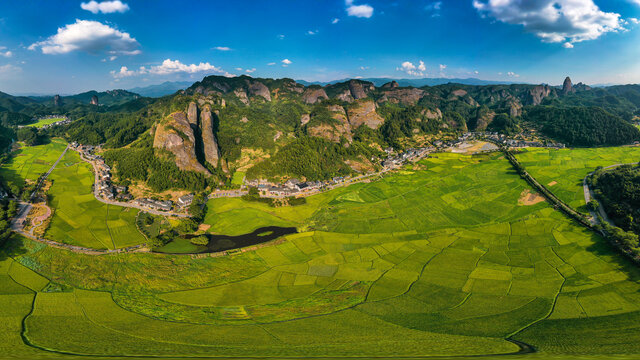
<point>42,122</point>
<point>562,171</point>
<point>79,219</point>
<point>29,162</point>
<point>440,259</point>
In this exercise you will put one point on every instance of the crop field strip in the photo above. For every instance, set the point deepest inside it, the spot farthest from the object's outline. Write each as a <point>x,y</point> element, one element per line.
<point>79,219</point>
<point>30,162</point>
<point>421,284</point>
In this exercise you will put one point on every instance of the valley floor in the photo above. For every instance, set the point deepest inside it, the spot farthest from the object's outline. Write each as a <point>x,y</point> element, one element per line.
<point>440,258</point>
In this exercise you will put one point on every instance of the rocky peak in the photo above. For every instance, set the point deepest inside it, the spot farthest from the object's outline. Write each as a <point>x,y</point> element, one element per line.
<point>567,86</point>
<point>357,90</point>
<point>192,114</point>
<point>538,93</point>
<point>211,151</point>
<point>256,88</point>
<point>176,135</point>
<point>57,101</point>
<point>313,95</point>
<point>391,85</point>
<point>94,100</point>
<point>364,113</point>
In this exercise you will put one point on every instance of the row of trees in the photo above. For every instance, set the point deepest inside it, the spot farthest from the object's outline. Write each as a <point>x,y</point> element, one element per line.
<point>619,192</point>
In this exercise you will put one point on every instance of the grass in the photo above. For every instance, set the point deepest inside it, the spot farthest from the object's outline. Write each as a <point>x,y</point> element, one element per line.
<point>29,162</point>
<point>79,219</point>
<point>44,122</point>
<point>441,261</point>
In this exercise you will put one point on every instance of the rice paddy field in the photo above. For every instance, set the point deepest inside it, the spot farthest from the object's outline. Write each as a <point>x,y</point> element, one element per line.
<point>79,219</point>
<point>42,122</point>
<point>437,261</point>
<point>562,171</point>
<point>29,162</point>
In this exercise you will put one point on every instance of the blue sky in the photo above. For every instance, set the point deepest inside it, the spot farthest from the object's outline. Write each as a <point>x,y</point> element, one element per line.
<point>71,46</point>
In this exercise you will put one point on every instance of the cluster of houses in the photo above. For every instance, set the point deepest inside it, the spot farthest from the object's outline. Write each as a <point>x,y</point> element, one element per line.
<point>104,187</point>
<point>394,161</point>
<point>65,121</point>
<point>292,187</point>
<point>495,137</point>
<point>163,205</point>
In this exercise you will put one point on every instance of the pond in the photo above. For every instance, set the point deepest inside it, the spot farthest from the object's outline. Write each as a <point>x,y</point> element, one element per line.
<point>219,243</point>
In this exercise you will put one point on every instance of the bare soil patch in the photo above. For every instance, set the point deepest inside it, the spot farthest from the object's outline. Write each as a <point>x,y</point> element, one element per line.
<point>552,183</point>
<point>528,198</point>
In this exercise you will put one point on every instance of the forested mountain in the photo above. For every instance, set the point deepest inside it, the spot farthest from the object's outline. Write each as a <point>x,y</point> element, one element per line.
<point>275,128</point>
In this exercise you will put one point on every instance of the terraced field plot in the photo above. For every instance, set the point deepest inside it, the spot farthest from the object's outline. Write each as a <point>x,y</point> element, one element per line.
<point>29,162</point>
<point>563,171</point>
<point>431,262</point>
<point>79,219</point>
<point>44,122</point>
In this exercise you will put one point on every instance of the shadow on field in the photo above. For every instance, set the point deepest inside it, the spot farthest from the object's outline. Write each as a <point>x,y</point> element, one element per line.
<point>12,247</point>
<point>602,248</point>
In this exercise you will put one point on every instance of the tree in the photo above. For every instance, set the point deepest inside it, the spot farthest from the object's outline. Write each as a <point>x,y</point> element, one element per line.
<point>200,240</point>
<point>593,205</point>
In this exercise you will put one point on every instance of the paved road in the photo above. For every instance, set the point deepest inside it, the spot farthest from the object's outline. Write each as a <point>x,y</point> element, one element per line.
<point>125,204</point>
<point>589,194</point>
<point>46,175</point>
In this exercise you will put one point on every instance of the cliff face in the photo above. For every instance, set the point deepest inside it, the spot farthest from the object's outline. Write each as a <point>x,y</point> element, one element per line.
<point>314,95</point>
<point>257,88</point>
<point>334,132</point>
<point>192,113</point>
<point>211,151</point>
<point>538,93</point>
<point>567,86</point>
<point>176,136</point>
<point>407,96</point>
<point>364,113</point>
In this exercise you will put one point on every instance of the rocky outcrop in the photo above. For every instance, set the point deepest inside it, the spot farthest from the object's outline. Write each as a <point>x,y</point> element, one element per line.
<point>242,96</point>
<point>483,120</point>
<point>581,87</point>
<point>57,101</point>
<point>345,96</point>
<point>94,100</point>
<point>538,93</point>
<point>567,86</point>
<point>459,92</point>
<point>257,88</point>
<point>406,96</point>
<point>176,136</point>
<point>357,90</point>
<point>192,114</point>
<point>334,132</point>
<point>211,151</point>
<point>364,113</point>
<point>515,108</point>
<point>432,114</point>
<point>304,119</point>
<point>313,95</point>
<point>391,85</point>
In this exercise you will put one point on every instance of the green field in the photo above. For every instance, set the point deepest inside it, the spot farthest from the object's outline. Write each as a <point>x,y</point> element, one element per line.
<point>29,162</point>
<point>441,261</point>
<point>79,219</point>
<point>44,122</point>
<point>568,167</point>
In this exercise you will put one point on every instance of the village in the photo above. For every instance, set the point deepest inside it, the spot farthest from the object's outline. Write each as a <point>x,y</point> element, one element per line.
<point>107,191</point>
<point>64,121</point>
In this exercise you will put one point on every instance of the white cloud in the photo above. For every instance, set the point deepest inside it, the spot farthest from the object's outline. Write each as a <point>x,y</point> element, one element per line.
<point>124,72</point>
<point>637,2</point>
<point>568,45</point>
<point>286,62</point>
<point>476,72</point>
<point>512,74</point>
<point>363,68</point>
<point>409,68</point>
<point>311,32</point>
<point>238,69</point>
<point>89,36</point>
<point>169,66</point>
<point>553,21</point>
<point>222,48</point>
<point>105,7</point>
<point>271,64</point>
<point>281,37</point>
<point>434,8</point>
<point>442,67</point>
<point>113,57</point>
<point>4,52</point>
<point>249,71</point>
<point>634,20</point>
<point>335,21</point>
<point>361,11</point>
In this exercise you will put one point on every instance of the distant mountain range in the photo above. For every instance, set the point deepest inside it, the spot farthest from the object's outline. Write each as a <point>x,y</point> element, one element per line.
<point>160,90</point>
<point>415,82</point>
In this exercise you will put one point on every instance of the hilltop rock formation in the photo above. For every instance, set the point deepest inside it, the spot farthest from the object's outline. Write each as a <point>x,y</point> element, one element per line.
<point>539,92</point>
<point>211,151</point>
<point>357,90</point>
<point>364,113</point>
<point>192,114</point>
<point>391,85</point>
<point>57,101</point>
<point>242,96</point>
<point>313,95</point>
<point>406,96</point>
<point>257,88</point>
<point>304,119</point>
<point>176,136</point>
<point>459,92</point>
<point>567,86</point>
<point>94,100</point>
